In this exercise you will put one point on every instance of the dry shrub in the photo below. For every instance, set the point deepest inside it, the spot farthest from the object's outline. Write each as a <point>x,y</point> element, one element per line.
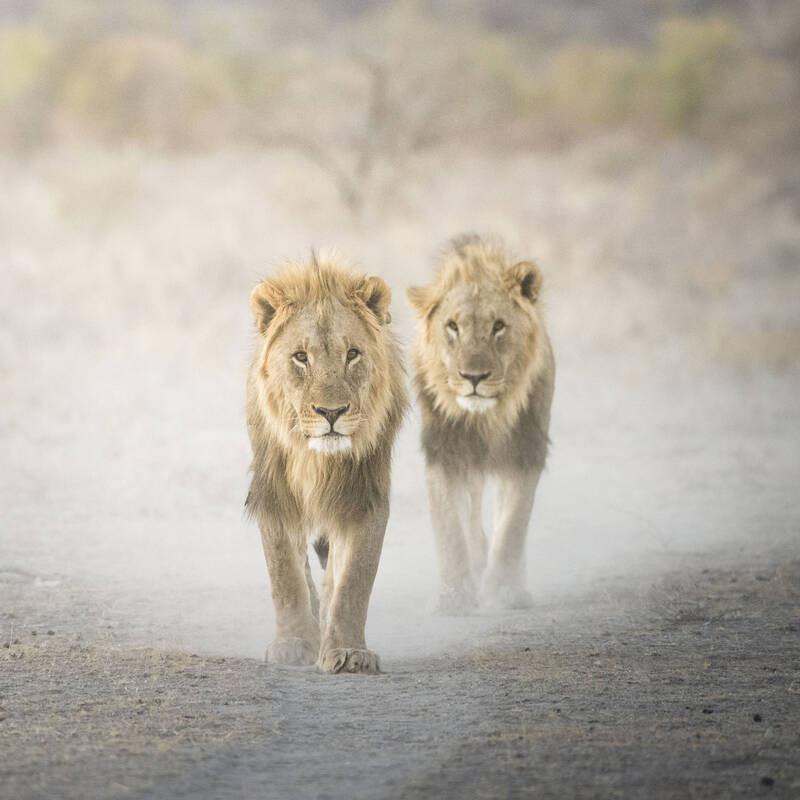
<point>693,61</point>
<point>700,78</point>
<point>26,55</point>
<point>595,84</point>
<point>363,98</point>
<point>150,90</point>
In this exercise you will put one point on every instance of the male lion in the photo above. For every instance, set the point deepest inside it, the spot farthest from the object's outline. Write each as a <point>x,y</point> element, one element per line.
<point>325,396</point>
<point>484,375</point>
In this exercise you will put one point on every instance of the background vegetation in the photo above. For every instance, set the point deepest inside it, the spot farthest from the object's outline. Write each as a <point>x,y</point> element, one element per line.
<point>178,76</point>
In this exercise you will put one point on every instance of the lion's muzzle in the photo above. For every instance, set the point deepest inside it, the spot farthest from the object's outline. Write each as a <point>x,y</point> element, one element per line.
<point>331,414</point>
<point>336,439</point>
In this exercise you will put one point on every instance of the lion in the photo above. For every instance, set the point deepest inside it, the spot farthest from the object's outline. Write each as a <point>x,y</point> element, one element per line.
<point>484,375</point>
<point>325,397</point>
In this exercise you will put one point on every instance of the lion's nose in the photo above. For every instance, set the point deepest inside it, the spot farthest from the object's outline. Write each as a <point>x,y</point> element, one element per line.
<point>475,379</point>
<point>331,414</point>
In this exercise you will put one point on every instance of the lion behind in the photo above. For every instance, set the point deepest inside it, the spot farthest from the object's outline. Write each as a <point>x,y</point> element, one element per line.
<point>484,377</point>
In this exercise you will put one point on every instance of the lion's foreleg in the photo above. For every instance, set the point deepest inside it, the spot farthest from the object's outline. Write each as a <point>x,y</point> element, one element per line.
<point>476,538</point>
<point>448,500</point>
<point>356,554</point>
<point>504,582</point>
<point>297,632</point>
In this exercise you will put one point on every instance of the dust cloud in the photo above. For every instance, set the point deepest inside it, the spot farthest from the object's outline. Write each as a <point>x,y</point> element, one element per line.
<point>126,344</point>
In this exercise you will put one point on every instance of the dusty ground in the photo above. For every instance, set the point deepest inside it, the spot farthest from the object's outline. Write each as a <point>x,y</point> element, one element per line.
<point>688,689</point>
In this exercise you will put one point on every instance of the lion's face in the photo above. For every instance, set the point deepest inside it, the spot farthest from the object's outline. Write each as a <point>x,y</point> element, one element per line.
<point>324,368</point>
<point>324,363</point>
<point>478,337</point>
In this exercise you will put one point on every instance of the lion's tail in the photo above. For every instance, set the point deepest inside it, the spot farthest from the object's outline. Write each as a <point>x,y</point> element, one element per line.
<point>321,547</point>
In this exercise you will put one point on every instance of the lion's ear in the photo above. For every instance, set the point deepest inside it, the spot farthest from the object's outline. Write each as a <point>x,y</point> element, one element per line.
<point>264,302</point>
<point>422,299</point>
<point>526,278</point>
<point>376,296</point>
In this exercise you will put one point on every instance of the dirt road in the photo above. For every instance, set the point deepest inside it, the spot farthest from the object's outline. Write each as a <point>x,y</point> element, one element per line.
<point>690,689</point>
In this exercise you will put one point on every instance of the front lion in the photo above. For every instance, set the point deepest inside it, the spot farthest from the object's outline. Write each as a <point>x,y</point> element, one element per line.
<point>484,376</point>
<point>325,397</point>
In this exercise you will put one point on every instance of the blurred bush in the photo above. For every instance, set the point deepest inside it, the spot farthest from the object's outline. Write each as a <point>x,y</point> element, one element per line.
<point>26,55</point>
<point>699,79</point>
<point>149,90</point>
<point>594,84</point>
<point>692,62</point>
<point>350,87</point>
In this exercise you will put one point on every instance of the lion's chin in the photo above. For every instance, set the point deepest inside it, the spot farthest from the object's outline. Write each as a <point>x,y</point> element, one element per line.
<point>475,404</point>
<point>330,443</point>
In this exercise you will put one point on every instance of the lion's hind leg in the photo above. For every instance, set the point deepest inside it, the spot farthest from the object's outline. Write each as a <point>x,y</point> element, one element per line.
<point>327,588</point>
<point>291,651</point>
<point>322,548</point>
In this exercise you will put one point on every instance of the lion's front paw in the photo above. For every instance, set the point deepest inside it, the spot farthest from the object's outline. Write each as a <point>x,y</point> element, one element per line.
<point>450,603</point>
<point>507,598</point>
<point>349,659</point>
<point>292,651</point>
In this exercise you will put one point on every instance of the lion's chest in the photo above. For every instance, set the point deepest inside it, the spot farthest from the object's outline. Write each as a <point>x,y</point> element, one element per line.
<point>458,446</point>
<point>329,491</point>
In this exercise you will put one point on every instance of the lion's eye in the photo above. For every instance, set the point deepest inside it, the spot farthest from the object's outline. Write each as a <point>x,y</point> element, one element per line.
<point>352,354</point>
<point>451,326</point>
<point>300,356</point>
<point>498,326</point>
